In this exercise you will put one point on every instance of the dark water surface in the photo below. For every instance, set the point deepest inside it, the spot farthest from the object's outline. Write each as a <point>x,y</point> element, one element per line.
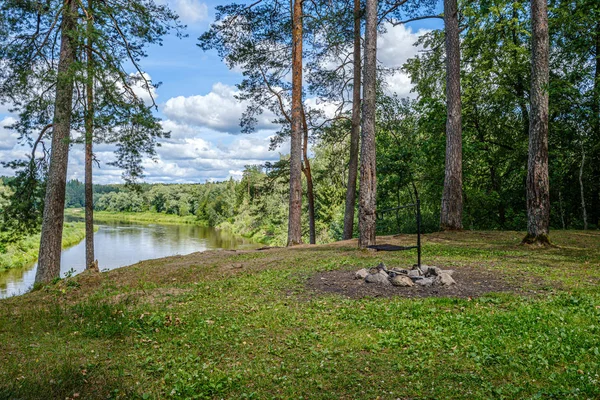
<point>118,244</point>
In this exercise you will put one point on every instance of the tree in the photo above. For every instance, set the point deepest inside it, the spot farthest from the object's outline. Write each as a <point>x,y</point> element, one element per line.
<point>368,178</point>
<point>355,132</point>
<point>295,213</point>
<point>538,188</point>
<point>452,200</point>
<point>54,202</point>
<point>89,141</point>
<point>44,86</point>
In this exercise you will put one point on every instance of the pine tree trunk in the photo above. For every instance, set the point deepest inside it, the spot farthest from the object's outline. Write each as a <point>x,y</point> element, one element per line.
<point>595,205</point>
<point>54,203</point>
<point>368,178</point>
<point>452,199</point>
<point>355,133</point>
<point>538,188</point>
<point>583,210</point>
<point>89,142</point>
<point>295,206</point>
<point>310,192</point>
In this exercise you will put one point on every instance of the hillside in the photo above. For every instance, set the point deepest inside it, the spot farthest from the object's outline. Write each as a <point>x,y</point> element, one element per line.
<point>292,323</point>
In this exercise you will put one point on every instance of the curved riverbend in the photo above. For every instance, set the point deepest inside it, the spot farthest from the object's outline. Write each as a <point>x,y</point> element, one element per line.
<point>119,244</point>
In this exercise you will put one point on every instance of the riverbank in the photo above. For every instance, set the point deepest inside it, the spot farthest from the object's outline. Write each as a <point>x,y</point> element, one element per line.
<point>273,323</point>
<point>257,236</point>
<point>25,251</point>
<point>142,217</point>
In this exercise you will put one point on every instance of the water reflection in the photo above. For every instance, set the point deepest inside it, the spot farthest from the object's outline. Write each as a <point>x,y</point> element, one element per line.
<point>118,244</point>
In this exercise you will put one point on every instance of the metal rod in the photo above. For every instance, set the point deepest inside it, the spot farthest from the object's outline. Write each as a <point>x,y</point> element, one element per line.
<point>418,233</point>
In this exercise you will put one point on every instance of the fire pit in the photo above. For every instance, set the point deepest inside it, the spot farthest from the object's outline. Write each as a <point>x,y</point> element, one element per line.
<point>421,276</point>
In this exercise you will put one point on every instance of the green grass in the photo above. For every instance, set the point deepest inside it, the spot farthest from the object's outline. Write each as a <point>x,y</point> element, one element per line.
<point>244,325</point>
<point>25,252</point>
<point>143,217</point>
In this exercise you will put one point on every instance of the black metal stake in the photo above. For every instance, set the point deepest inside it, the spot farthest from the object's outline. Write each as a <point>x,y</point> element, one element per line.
<point>418,233</point>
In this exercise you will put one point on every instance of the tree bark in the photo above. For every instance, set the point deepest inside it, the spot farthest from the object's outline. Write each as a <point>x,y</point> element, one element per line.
<point>595,205</point>
<point>355,133</point>
<point>538,187</point>
<point>310,193</point>
<point>583,210</point>
<point>295,205</point>
<point>89,142</point>
<point>368,166</point>
<point>452,199</point>
<point>54,203</point>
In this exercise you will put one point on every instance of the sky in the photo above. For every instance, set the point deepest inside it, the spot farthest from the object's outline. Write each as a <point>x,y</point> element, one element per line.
<point>196,104</point>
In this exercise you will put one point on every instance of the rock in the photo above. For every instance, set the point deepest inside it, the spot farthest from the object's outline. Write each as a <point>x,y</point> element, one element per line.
<point>361,274</point>
<point>381,267</point>
<point>444,280</point>
<point>402,281</point>
<point>424,282</point>
<point>400,271</point>
<point>430,271</point>
<point>380,277</point>
<point>448,271</point>
<point>413,273</point>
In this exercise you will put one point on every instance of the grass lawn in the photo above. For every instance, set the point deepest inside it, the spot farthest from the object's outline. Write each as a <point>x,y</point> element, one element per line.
<point>247,324</point>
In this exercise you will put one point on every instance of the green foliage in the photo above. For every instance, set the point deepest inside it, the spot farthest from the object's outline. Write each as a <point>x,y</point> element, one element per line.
<point>24,251</point>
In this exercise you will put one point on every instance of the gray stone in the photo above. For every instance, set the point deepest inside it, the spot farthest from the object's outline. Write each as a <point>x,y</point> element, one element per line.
<point>430,271</point>
<point>402,281</point>
<point>424,282</point>
<point>361,274</point>
<point>414,273</point>
<point>400,271</point>
<point>448,271</point>
<point>380,277</point>
<point>444,280</point>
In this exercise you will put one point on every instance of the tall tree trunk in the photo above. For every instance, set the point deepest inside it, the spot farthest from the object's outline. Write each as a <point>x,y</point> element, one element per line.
<point>583,210</point>
<point>519,83</point>
<point>295,207</point>
<point>368,166</point>
<point>355,133</point>
<point>595,206</point>
<point>538,187</point>
<point>310,193</point>
<point>452,199</point>
<point>54,203</point>
<point>89,141</point>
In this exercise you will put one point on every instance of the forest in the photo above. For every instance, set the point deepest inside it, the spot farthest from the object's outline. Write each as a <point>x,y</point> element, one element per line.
<point>478,156</point>
<point>502,131</point>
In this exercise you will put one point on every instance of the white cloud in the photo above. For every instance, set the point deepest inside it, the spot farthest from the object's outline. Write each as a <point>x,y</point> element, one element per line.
<point>394,48</point>
<point>8,137</point>
<point>144,91</point>
<point>192,154</point>
<point>189,11</point>
<point>218,110</point>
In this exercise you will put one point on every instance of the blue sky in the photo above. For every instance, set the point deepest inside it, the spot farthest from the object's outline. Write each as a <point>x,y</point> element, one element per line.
<point>196,102</point>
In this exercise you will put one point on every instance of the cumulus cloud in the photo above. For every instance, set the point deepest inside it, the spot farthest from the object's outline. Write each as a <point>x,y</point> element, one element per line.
<point>218,110</point>
<point>189,11</point>
<point>394,48</point>
<point>8,137</point>
<point>192,154</point>
<point>144,91</point>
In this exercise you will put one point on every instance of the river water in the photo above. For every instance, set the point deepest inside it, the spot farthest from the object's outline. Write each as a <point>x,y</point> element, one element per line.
<point>118,244</point>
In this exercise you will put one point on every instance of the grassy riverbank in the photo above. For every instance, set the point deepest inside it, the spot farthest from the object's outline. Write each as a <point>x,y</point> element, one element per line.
<point>142,217</point>
<point>273,324</point>
<point>25,251</point>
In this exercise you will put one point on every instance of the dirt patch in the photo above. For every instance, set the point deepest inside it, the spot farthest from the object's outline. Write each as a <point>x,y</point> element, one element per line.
<point>470,283</point>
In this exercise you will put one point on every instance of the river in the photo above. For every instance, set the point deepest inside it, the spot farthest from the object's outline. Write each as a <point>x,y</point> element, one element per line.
<point>118,244</point>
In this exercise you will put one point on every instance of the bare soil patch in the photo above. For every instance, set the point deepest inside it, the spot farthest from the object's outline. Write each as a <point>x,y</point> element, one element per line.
<point>471,283</point>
